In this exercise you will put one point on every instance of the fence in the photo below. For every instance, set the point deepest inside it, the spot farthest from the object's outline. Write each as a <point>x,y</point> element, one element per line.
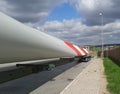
<point>113,54</point>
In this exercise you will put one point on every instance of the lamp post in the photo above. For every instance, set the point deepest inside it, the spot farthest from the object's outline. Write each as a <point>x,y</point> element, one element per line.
<point>102,40</point>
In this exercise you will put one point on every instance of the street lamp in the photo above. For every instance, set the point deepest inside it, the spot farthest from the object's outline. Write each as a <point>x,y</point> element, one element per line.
<point>102,43</point>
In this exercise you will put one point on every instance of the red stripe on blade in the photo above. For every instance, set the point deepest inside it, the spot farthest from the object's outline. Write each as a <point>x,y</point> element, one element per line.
<point>71,46</point>
<point>83,50</point>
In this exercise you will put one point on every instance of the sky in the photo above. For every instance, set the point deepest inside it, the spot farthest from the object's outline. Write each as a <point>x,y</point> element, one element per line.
<point>76,21</point>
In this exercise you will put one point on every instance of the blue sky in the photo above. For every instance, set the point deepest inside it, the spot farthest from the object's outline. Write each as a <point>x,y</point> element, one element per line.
<point>63,12</point>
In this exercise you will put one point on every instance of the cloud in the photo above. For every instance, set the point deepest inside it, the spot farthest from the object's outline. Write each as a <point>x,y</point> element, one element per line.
<point>77,32</point>
<point>90,9</point>
<point>83,30</point>
<point>36,11</point>
<point>29,10</point>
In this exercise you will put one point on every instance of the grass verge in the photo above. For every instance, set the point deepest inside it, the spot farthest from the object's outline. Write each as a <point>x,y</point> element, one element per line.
<point>112,72</point>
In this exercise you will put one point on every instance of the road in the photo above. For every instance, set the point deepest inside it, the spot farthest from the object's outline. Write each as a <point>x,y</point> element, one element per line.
<point>29,83</point>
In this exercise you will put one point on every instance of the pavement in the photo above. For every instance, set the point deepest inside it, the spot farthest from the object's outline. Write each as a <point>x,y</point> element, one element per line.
<point>88,81</point>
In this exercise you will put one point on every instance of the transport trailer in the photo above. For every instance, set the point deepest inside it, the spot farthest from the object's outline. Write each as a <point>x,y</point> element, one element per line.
<point>87,56</point>
<point>20,43</point>
<point>11,71</point>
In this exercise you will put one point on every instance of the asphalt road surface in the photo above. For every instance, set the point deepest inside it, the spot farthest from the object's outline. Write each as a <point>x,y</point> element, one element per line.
<point>29,83</point>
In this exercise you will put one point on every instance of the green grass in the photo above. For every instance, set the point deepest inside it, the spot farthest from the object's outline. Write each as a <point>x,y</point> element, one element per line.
<point>112,72</point>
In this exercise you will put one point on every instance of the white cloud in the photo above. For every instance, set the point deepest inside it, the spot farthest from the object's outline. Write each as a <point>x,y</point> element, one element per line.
<point>29,10</point>
<point>90,9</point>
<point>79,33</point>
<point>88,4</point>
